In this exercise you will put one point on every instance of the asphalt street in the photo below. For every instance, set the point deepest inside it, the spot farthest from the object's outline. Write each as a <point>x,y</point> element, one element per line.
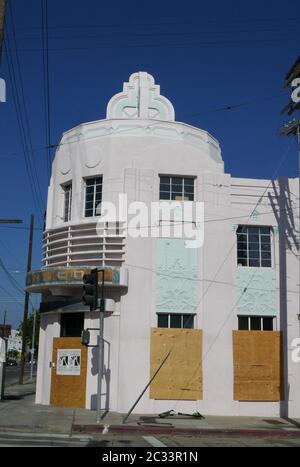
<point>157,442</point>
<point>12,374</point>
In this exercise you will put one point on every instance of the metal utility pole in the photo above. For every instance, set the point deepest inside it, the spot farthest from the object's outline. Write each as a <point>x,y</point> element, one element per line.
<point>101,348</point>
<point>2,18</point>
<point>26,303</point>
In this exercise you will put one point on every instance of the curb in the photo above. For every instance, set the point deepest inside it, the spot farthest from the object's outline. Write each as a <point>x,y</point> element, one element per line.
<point>141,430</point>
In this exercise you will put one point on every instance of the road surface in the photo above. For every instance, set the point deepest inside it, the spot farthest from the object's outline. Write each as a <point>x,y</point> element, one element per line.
<point>12,374</point>
<point>121,441</point>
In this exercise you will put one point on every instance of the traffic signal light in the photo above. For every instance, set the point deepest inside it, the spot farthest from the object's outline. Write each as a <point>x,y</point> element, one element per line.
<point>85,337</point>
<point>90,289</point>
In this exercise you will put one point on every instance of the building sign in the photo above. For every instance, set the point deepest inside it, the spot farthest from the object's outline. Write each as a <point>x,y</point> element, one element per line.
<point>69,276</point>
<point>68,362</point>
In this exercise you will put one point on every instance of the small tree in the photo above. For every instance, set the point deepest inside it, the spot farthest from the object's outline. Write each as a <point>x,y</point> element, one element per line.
<point>29,330</point>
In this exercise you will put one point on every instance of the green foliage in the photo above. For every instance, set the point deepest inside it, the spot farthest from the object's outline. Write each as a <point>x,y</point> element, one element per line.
<point>29,330</point>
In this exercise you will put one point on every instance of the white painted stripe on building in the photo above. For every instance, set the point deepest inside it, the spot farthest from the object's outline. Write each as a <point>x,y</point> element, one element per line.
<point>154,442</point>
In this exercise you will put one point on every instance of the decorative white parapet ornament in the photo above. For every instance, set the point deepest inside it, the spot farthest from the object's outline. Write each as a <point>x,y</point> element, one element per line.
<point>140,99</point>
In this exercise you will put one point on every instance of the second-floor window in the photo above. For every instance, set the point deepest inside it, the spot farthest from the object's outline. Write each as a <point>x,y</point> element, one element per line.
<point>93,196</point>
<point>67,202</point>
<point>254,246</point>
<point>176,188</point>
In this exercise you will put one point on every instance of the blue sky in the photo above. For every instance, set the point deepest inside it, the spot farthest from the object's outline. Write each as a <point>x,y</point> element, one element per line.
<point>205,55</point>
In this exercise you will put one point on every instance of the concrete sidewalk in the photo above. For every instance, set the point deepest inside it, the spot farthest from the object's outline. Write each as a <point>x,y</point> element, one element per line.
<point>19,413</point>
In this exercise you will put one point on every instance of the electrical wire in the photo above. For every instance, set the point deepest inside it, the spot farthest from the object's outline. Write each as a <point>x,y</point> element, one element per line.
<point>228,255</point>
<point>172,223</point>
<point>46,75</point>
<point>45,89</point>
<point>151,34</point>
<point>16,99</point>
<point>26,119</point>
<point>164,23</point>
<point>12,280</point>
<point>170,44</point>
<point>11,254</point>
<point>226,108</point>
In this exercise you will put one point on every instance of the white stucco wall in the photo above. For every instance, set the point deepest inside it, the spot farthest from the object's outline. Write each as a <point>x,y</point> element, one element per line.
<point>130,154</point>
<point>49,328</point>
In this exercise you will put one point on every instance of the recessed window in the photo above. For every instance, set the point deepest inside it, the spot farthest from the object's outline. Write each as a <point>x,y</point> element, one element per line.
<point>175,320</point>
<point>67,201</point>
<point>176,188</point>
<point>255,323</point>
<point>254,246</point>
<point>243,323</point>
<point>268,324</point>
<point>93,196</point>
<point>71,324</point>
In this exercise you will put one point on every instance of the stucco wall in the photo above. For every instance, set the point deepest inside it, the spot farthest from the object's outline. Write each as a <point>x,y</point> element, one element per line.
<point>130,154</point>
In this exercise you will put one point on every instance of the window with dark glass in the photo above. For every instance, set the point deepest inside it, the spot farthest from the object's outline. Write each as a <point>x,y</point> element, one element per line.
<point>243,323</point>
<point>268,324</point>
<point>254,246</point>
<point>176,188</point>
<point>175,320</point>
<point>71,324</point>
<point>255,323</point>
<point>67,201</point>
<point>163,320</point>
<point>93,196</point>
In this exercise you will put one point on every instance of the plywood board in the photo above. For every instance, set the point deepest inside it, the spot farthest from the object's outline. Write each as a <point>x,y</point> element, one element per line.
<point>257,365</point>
<point>180,378</point>
<point>68,390</point>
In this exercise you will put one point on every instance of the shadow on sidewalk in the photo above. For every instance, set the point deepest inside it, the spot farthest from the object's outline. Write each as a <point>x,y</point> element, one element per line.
<point>17,397</point>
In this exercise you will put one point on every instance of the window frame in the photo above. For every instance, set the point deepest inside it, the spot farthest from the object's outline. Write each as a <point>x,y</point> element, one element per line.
<point>249,252</point>
<point>94,207</point>
<point>182,184</point>
<point>262,324</point>
<point>182,315</point>
<point>68,193</point>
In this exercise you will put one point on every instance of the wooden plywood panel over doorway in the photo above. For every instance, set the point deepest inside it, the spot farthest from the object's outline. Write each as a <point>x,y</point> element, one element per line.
<point>257,366</point>
<point>181,375</point>
<point>68,390</point>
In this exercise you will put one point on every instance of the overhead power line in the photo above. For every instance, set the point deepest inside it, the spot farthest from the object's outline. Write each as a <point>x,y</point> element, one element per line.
<point>127,25</point>
<point>11,278</point>
<point>170,44</point>
<point>157,33</point>
<point>23,123</point>
<point>204,112</point>
<point>46,81</point>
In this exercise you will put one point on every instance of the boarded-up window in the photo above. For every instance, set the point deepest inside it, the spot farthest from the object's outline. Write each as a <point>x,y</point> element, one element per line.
<point>257,366</point>
<point>180,378</point>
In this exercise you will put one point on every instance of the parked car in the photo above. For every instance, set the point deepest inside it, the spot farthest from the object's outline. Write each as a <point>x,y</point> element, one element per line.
<point>11,363</point>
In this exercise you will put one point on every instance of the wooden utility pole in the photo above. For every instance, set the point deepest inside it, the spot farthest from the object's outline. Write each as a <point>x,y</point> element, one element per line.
<point>26,303</point>
<point>5,221</point>
<point>2,18</point>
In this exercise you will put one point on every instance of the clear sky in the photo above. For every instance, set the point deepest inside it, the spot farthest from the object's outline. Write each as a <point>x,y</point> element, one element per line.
<point>205,56</point>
